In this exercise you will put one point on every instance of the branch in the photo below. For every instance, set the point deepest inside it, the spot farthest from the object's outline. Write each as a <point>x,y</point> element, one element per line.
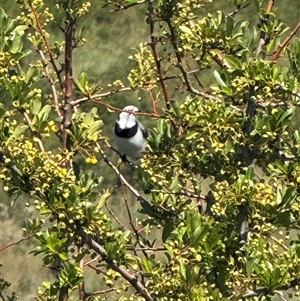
<point>238,9</point>
<point>265,290</point>
<point>32,130</point>
<point>68,84</point>
<point>285,42</point>
<point>185,74</point>
<point>41,30</point>
<point>156,55</point>
<point>113,289</point>
<point>263,36</point>
<point>132,279</point>
<point>52,84</point>
<point>121,7</point>
<point>110,107</point>
<point>117,171</point>
<point>136,232</point>
<point>15,243</point>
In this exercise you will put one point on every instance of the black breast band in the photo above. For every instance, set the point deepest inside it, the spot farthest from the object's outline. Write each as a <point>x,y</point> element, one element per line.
<point>126,133</point>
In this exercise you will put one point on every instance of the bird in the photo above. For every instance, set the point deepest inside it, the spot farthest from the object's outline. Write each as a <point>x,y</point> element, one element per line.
<point>129,134</point>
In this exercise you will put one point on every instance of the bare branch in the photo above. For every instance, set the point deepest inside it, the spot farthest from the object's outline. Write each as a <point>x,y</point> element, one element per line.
<point>16,243</point>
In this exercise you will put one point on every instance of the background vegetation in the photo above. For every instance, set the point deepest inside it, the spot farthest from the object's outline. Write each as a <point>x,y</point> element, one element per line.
<point>172,186</point>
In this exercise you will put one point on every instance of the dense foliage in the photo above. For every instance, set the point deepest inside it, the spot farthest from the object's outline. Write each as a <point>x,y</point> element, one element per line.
<point>218,185</point>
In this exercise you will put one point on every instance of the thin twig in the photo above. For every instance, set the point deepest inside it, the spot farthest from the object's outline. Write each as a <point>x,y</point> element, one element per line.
<point>41,30</point>
<point>15,243</point>
<point>136,233</point>
<point>95,99</point>
<point>121,7</point>
<point>115,217</point>
<point>238,9</point>
<point>32,130</point>
<point>156,55</point>
<point>153,101</point>
<point>102,292</point>
<point>278,242</point>
<point>52,84</point>
<point>122,178</point>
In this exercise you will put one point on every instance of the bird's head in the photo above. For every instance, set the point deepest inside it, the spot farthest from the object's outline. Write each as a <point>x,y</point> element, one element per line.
<point>126,118</point>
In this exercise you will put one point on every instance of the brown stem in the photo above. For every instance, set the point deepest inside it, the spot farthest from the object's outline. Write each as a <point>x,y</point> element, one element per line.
<point>156,55</point>
<point>153,101</point>
<point>15,243</point>
<point>285,42</point>
<point>68,84</point>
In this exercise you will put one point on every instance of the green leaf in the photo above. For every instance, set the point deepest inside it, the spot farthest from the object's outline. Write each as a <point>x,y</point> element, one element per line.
<point>147,265</point>
<point>35,106</point>
<point>219,79</point>
<point>168,228</point>
<point>96,126</point>
<point>63,256</point>
<point>198,235</point>
<point>20,29</point>
<point>17,44</point>
<point>229,26</point>
<point>185,29</point>
<point>18,131</point>
<point>233,61</point>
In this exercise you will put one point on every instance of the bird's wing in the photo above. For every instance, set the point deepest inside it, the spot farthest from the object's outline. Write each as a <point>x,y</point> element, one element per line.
<point>144,130</point>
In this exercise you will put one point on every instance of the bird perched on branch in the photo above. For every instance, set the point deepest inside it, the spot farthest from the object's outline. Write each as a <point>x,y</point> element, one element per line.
<point>130,135</point>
